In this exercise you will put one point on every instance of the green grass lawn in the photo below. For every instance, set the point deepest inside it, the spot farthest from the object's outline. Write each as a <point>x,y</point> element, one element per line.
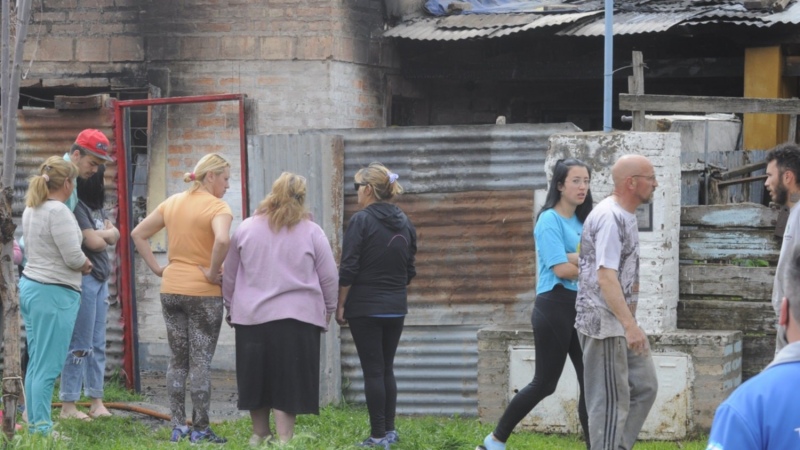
<point>335,428</point>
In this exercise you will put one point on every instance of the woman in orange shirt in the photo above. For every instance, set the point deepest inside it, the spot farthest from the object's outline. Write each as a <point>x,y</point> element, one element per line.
<point>198,226</point>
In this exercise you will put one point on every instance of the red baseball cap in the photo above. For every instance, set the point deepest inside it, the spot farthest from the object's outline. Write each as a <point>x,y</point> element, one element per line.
<point>95,142</point>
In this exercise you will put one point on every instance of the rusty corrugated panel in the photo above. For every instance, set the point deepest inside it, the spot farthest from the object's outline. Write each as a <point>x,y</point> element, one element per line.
<point>469,193</point>
<point>474,248</point>
<point>42,133</point>
<point>475,266</point>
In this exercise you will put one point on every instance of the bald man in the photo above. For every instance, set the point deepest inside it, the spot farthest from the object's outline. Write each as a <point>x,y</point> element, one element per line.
<point>619,375</point>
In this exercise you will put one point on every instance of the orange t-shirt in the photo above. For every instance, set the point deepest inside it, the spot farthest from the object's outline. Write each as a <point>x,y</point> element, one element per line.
<point>190,240</point>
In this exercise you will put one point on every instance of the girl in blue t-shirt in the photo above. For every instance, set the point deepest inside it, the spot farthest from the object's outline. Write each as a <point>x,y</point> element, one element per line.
<point>557,236</point>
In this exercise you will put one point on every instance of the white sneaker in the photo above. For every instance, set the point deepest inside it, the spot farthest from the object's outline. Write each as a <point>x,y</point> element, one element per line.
<point>490,443</point>
<point>257,441</point>
<point>56,436</point>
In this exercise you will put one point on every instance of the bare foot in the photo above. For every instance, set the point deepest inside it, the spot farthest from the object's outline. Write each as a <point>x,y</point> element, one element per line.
<point>100,411</point>
<point>74,414</point>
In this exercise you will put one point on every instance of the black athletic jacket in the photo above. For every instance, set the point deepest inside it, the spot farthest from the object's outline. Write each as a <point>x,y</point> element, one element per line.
<point>377,261</point>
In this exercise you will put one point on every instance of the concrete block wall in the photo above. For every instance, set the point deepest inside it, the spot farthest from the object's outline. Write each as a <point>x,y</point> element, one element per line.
<point>714,372</point>
<point>658,273</point>
<point>305,64</point>
<point>494,345</point>
<point>85,43</point>
<point>717,360</point>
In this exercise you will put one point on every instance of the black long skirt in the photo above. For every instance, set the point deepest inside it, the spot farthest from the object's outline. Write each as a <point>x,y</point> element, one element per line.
<point>277,366</point>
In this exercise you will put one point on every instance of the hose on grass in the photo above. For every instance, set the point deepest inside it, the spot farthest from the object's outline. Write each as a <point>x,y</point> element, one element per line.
<point>131,408</point>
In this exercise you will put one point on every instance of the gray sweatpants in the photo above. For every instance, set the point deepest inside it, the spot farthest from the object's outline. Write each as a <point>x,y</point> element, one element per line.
<point>620,389</point>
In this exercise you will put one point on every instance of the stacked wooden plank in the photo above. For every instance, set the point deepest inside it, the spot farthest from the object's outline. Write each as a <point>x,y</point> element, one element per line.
<point>728,255</point>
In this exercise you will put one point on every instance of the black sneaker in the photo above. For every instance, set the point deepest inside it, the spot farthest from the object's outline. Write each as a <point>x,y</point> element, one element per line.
<point>206,435</point>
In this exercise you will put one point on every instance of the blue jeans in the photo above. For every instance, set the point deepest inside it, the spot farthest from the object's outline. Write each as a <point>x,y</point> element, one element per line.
<point>86,358</point>
<point>49,312</point>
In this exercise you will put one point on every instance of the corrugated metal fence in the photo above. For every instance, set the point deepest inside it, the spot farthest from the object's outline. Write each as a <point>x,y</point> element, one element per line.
<point>469,193</point>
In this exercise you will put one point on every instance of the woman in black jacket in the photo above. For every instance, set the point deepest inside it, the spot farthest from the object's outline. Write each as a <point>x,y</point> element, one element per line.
<point>377,265</point>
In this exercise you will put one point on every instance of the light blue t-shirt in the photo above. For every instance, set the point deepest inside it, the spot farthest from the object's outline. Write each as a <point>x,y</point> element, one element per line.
<point>762,414</point>
<point>555,236</point>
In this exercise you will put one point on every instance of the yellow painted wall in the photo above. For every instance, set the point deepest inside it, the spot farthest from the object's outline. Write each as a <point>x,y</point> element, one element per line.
<point>763,67</point>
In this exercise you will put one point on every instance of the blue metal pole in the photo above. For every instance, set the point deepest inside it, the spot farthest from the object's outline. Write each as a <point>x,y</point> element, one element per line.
<point>608,69</point>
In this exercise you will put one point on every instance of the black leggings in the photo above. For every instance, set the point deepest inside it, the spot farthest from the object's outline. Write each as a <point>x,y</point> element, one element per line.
<point>376,340</point>
<point>555,337</point>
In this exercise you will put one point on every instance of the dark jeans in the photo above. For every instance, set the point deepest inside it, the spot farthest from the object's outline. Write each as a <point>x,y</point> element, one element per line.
<point>376,340</point>
<point>555,337</point>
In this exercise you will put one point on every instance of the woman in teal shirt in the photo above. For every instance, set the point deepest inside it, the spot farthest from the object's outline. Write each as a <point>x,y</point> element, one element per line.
<point>557,235</point>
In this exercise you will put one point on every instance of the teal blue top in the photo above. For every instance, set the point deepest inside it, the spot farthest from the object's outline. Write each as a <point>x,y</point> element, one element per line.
<point>72,201</point>
<point>554,236</point>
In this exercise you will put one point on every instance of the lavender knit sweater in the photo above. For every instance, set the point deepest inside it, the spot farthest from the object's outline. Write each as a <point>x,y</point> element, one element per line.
<point>271,276</point>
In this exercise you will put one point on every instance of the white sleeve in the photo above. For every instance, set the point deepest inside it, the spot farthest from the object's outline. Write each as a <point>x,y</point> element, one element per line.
<point>608,246</point>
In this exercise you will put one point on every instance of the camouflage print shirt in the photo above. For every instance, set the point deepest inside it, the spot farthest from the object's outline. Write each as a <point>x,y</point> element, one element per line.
<point>610,239</point>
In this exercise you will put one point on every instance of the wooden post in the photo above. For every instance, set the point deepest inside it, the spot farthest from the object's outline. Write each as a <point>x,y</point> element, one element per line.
<point>12,374</point>
<point>10,79</point>
<point>636,87</point>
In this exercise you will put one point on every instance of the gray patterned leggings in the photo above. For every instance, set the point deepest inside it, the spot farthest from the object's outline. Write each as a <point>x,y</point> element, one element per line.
<point>193,325</point>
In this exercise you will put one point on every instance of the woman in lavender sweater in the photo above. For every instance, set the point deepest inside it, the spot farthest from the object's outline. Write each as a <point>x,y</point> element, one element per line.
<point>280,286</point>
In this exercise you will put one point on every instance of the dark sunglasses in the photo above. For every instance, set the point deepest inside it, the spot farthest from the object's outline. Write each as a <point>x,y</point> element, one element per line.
<point>357,185</point>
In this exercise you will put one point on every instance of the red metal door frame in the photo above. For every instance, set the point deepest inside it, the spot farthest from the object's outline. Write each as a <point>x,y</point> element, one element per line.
<point>130,336</point>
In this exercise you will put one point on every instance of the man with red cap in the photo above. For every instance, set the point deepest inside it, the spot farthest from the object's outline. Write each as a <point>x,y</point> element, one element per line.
<point>89,151</point>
